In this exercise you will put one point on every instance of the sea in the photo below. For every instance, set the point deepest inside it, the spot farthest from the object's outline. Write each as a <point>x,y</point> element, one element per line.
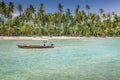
<point>80,59</point>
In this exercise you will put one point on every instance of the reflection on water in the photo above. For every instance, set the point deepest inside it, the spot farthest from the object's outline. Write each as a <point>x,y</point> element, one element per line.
<point>97,59</point>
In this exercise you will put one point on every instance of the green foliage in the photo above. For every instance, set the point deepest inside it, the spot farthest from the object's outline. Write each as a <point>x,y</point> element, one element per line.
<point>32,22</point>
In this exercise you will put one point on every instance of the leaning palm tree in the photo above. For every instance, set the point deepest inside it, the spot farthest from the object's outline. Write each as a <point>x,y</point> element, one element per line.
<point>20,9</point>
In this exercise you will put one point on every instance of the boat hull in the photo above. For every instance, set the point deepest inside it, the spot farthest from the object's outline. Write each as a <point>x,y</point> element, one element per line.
<point>34,46</point>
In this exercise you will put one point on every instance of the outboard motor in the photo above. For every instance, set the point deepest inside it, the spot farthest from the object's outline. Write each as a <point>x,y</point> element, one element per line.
<point>51,44</point>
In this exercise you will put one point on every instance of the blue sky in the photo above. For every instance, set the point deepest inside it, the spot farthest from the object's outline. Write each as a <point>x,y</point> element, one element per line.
<point>51,5</point>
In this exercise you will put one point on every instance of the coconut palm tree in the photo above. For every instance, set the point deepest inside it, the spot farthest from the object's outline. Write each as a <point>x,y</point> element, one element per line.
<point>29,12</point>
<point>60,13</point>
<point>87,7</point>
<point>40,14</point>
<point>32,8</point>
<point>68,16</point>
<point>77,9</point>
<point>10,10</point>
<point>60,8</point>
<point>101,11</point>
<point>77,14</point>
<point>11,7</point>
<point>20,9</point>
<point>2,10</point>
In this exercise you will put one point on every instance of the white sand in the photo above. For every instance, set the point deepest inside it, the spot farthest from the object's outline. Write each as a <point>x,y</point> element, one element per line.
<point>46,37</point>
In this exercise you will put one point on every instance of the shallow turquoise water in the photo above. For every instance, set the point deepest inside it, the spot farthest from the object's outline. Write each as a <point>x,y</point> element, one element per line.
<point>97,59</point>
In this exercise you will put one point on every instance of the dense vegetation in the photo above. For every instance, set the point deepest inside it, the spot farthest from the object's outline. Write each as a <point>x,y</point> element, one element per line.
<point>33,21</point>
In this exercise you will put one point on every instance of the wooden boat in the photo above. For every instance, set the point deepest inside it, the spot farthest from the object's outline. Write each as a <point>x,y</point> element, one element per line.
<point>35,46</point>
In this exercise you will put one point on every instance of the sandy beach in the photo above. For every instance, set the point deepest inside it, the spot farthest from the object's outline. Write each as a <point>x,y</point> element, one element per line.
<point>41,37</point>
<point>47,37</point>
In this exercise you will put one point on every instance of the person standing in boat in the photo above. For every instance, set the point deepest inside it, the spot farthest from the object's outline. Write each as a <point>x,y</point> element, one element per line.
<point>44,43</point>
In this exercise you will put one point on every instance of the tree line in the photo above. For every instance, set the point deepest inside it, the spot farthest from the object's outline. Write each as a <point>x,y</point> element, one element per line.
<point>32,21</point>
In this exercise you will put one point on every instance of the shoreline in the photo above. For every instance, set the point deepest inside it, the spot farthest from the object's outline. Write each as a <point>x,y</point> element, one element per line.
<point>48,37</point>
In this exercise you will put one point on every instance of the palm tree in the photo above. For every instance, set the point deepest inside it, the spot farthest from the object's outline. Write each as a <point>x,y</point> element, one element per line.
<point>10,10</point>
<point>60,8</point>
<point>32,9</point>
<point>20,9</point>
<point>40,14</point>
<point>77,9</point>
<point>101,11</point>
<point>87,7</point>
<point>68,16</point>
<point>60,11</point>
<point>104,16</point>
<point>67,21</point>
<point>30,13</point>
<point>109,16</point>
<point>83,14</point>
<point>2,9</point>
<point>77,13</point>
